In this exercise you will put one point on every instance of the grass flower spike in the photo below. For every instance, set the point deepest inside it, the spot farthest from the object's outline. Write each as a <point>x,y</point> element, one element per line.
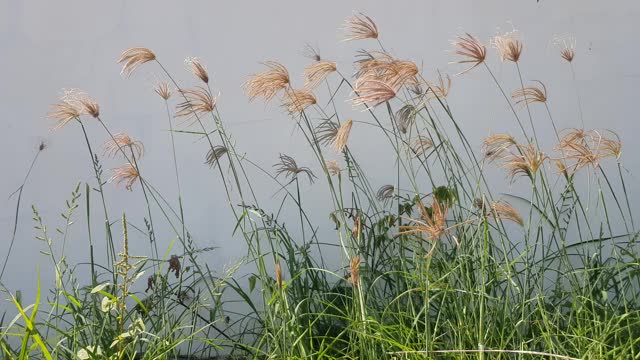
<point>197,101</point>
<point>268,83</point>
<point>290,169</point>
<point>530,94</point>
<point>360,27</point>
<point>296,101</point>
<point>332,167</point>
<point>504,211</point>
<point>125,174</point>
<point>215,154</point>
<point>315,73</point>
<point>194,65</point>
<point>567,46</point>
<point>342,136</point>
<point>122,141</point>
<point>508,46</point>
<point>163,90</point>
<point>471,50</point>
<point>132,58</point>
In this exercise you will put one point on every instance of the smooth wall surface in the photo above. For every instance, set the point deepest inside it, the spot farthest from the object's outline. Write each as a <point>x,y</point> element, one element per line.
<point>50,45</point>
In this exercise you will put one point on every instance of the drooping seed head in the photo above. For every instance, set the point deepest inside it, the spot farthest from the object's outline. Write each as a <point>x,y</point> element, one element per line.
<point>197,101</point>
<point>215,154</point>
<point>526,161</point>
<point>505,211</point>
<point>420,145</point>
<point>432,223</point>
<point>360,27</point>
<point>471,50</point>
<point>440,88</point>
<point>122,142</point>
<point>332,167</point>
<point>567,46</point>
<point>587,148</point>
<point>72,105</point>
<point>268,83</point>
<point>63,112</point>
<point>612,147</point>
<point>296,101</point>
<point>311,52</point>
<point>372,91</point>
<point>196,67</point>
<point>342,136</point>
<point>494,146</point>
<point>530,94</point>
<point>384,67</point>
<point>127,174</point>
<point>315,73</point>
<point>89,106</point>
<point>405,117</point>
<point>508,46</point>
<point>385,193</point>
<point>288,167</point>
<point>133,58</point>
<point>163,89</point>
<point>326,132</point>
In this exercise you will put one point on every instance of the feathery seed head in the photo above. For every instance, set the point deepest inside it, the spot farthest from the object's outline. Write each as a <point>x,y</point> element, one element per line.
<point>296,101</point>
<point>612,147</point>
<point>420,145</point>
<point>567,46</point>
<point>504,211</point>
<point>268,83</point>
<point>495,145</point>
<point>588,147</point>
<point>385,193</point>
<point>194,65</point>
<point>432,223</point>
<point>89,106</point>
<point>197,101</point>
<point>332,167</point>
<point>562,168</point>
<point>508,46</point>
<point>405,116</point>
<point>530,94</point>
<point>63,112</point>
<point>72,105</point>
<point>471,50</point>
<point>290,169</point>
<point>315,73</point>
<point>127,174</point>
<point>372,91</point>
<point>215,154</point>
<point>439,89</point>
<point>360,27</point>
<point>121,141</point>
<point>526,161</point>
<point>340,141</point>
<point>326,132</point>
<point>133,58</point>
<point>310,52</point>
<point>163,89</point>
